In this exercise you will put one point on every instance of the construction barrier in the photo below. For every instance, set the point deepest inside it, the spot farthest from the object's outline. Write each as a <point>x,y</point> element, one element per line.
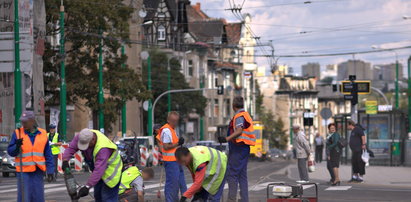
<point>60,158</point>
<point>143,156</point>
<point>78,161</point>
<point>156,156</point>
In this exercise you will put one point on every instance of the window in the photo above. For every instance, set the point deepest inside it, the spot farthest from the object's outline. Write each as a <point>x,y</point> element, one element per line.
<point>190,68</point>
<point>216,108</point>
<point>6,79</point>
<point>161,33</point>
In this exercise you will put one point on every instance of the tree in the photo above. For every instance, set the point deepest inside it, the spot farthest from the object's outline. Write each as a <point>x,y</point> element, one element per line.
<point>184,103</point>
<point>86,23</point>
<point>327,80</point>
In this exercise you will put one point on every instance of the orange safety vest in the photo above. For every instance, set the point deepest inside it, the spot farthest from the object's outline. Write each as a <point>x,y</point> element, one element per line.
<point>168,155</point>
<point>32,154</point>
<point>248,135</point>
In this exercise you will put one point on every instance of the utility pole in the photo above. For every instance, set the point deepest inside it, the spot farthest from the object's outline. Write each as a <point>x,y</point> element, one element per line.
<point>63,93</point>
<point>397,97</point>
<point>202,117</point>
<point>150,106</point>
<point>17,71</point>
<point>100,85</point>
<point>409,95</point>
<point>124,108</point>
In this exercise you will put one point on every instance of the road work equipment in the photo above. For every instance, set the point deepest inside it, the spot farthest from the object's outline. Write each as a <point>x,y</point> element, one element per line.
<point>281,192</point>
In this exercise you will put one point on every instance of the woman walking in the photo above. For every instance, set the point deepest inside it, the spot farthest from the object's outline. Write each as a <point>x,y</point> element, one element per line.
<point>333,154</point>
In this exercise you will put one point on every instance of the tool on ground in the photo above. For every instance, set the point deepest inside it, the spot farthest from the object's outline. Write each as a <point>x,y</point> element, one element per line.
<point>285,192</point>
<point>161,180</point>
<point>71,185</point>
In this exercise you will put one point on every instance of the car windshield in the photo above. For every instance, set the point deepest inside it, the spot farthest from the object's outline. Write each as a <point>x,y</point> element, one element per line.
<point>3,146</point>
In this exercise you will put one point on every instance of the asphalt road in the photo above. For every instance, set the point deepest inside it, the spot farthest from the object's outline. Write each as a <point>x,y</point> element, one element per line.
<point>259,173</point>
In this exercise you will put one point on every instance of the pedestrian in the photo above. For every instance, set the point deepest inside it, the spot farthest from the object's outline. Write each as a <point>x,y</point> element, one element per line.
<point>357,145</point>
<point>169,142</point>
<point>208,168</point>
<point>302,148</point>
<point>333,154</point>
<point>103,158</point>
<point>132,183</point>
<point>55,142</point>
<point>319,147</point>
<point>241,136</point>
<point>31,149</point>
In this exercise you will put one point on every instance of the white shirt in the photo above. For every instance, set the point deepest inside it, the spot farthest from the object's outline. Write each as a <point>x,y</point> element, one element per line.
<point>166,136</point>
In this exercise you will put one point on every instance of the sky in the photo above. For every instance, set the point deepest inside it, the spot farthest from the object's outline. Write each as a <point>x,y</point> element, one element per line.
<point>323,26</point>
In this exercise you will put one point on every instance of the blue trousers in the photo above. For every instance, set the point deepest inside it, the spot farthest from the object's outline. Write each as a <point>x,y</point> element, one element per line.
<point>237,172</point>
<point>103,193</point>
<point>205,196</point>
<point>33,186</point>
<point>174,181</point>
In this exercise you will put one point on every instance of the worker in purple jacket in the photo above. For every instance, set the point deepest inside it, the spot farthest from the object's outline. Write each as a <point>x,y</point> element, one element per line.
<point>97,164</point>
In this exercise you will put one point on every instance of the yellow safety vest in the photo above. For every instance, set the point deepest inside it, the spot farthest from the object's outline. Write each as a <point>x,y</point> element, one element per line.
<point>127,178</point>
<point>55,150</point>
<point>112,174</point>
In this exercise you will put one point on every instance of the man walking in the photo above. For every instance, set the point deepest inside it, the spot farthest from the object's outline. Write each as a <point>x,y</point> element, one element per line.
<point>103,158</point>
<point>55,142</point>
<point>357,144</point>
<point>240,137</point>
<point>31,149</point>
<point>302,148</point>
<point>319,147</point>
<point>208,168</point>
<point>169,142</point>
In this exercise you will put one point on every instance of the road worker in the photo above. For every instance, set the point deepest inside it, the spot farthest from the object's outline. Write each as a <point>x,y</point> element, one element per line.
<point>55,142</point>
<point>132,183</point>
<point>103,158</point>
<point>169,142</point>
<point>31,149</point>
<point>240,137</point>
<point>208,168</point>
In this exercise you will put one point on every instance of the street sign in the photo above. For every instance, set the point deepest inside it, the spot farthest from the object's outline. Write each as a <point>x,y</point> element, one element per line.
<point>384,108</point>
<point>145,105</point>
<point>371,107</point>
<point>309,115</point>
<point>308,118</point>
<point>363,87</point>
<point>326,113</point>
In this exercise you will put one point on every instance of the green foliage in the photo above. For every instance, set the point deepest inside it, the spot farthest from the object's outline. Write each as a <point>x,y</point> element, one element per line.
<point>184,103</point>
<point>83,22</point>
<point>327,80</point>
<point>273,129</point>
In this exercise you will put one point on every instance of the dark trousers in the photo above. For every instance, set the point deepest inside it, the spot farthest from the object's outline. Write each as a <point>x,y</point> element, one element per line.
<point>203,195</point>
<point>237,172</point>
<point>175,181</point>
<point>33,186</point>
<point>128,196</point>
<point>103,193</point>
<point>330,170</point>
<point>55,159</point>
<point>319,153</point>
<point>358,165</point>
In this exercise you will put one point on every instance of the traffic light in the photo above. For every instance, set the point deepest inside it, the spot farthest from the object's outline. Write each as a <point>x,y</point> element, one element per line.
<point>220,90</point>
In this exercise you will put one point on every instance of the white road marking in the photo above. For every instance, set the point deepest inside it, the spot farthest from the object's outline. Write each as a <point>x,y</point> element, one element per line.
<point>338,188</point>
<point>45,186</point>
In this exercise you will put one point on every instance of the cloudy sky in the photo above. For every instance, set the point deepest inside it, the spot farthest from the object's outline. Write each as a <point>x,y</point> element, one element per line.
<point>324,26</point>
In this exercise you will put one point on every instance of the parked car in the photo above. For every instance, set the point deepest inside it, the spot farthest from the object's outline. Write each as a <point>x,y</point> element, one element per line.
<point>277,153</point>
<point>7,162</point>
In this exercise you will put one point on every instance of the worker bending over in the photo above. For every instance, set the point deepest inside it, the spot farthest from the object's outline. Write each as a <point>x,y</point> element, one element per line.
<point>169,142</point>
<point>30,147</point>
<point>208,169</point>
<point>103,158</point>
<point>240,137</point>
<point>132,184</point>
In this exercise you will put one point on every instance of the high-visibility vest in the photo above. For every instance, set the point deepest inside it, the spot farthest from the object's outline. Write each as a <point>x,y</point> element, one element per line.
<point>128,176</point>
<point>216,166</point>
<point>248,135</point>
<point>32,154</point>
<point>168,155</point>
<point>54,148</point>
<point>112,174</point>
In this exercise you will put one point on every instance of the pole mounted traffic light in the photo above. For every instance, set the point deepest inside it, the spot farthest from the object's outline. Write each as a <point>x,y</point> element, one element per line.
<point>220,90</point>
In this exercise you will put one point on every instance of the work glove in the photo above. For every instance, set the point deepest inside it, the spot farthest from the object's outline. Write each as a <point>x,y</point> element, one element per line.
<point>65,165</point>
<point>183,199</point>
<point>222,140</point>
<point>50,178</point>
<point>181,141</point>
<point>19,142</point>
<point>83,191</point>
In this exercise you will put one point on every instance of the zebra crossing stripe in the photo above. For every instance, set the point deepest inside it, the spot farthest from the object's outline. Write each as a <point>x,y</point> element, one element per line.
<point>338,188</point>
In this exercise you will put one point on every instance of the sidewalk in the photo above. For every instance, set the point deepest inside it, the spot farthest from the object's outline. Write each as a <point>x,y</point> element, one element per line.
<point>375,175</point>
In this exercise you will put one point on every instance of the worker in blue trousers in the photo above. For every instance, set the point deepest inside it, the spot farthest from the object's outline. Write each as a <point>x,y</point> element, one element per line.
<point>240,136</point>
<point>30,147</point>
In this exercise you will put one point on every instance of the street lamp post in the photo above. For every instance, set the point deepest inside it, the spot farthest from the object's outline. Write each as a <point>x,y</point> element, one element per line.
<point>409,95</point>
<point>146,56</point>
<point>17,71</point>
<point>100,85</point>
<point>124,107</point>
<point>63,87</point>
